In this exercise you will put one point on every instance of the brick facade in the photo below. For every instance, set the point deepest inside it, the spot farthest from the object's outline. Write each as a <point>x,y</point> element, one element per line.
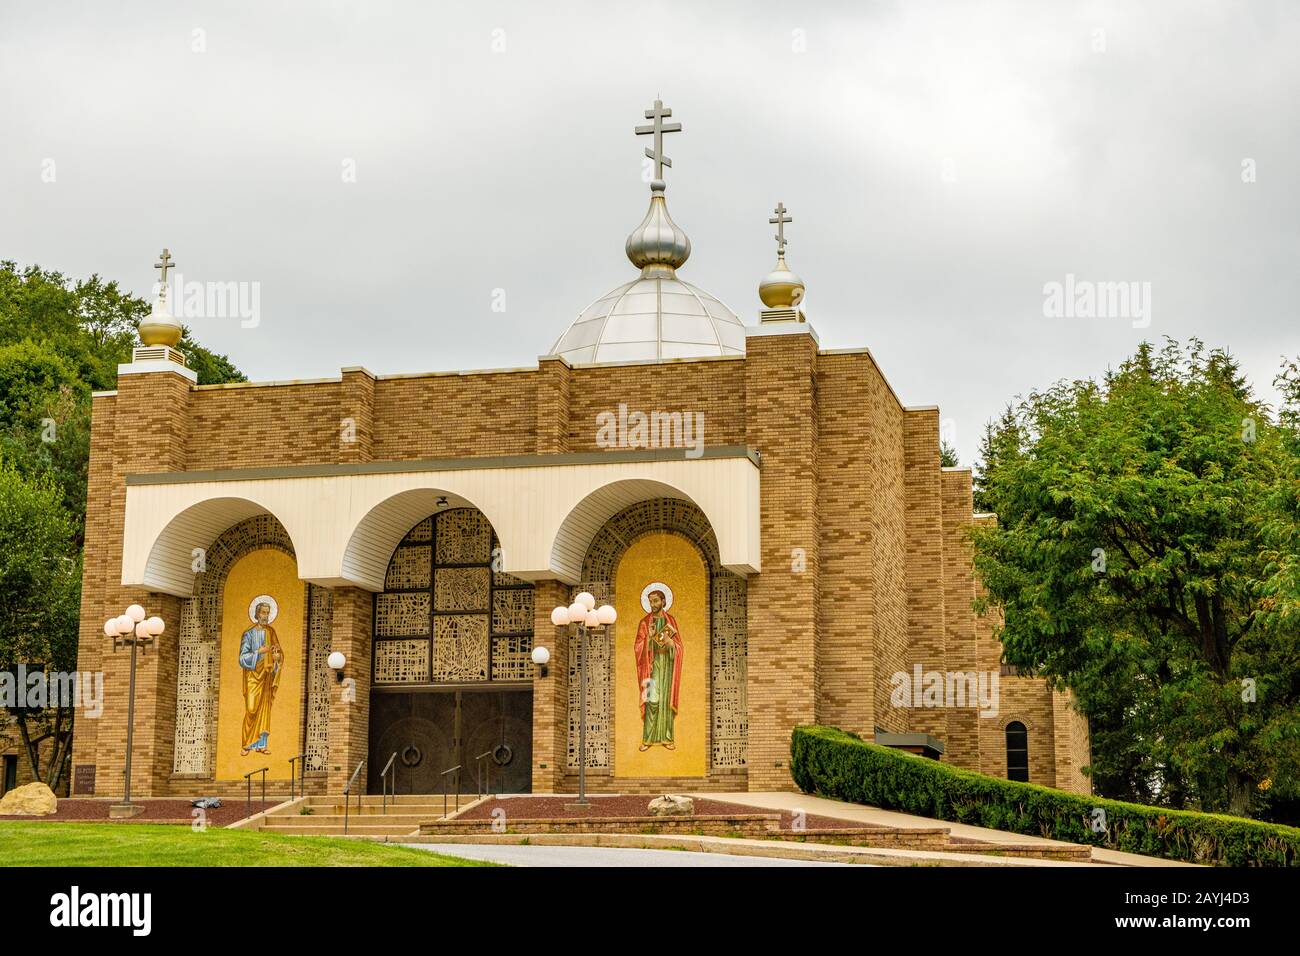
<point>866,561</point>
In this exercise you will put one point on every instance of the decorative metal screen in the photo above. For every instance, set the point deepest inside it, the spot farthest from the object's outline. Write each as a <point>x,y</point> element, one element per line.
<point>446,615</point>
<point>728,701</point>
<point>195,700</point>
<point>600,688</point>
<point>730,710</point>
<point>198,649</point>
<point>320,625</point>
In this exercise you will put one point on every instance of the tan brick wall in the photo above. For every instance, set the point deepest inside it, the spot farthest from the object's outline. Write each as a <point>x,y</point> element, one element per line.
<point>716,388</point>
<point>1070,745</point>
<point>349,726</point>
<point>847,426</point>
<point>781,423</point>
<point>553,407</point>
<point>95,562</point>
<point>888,546</point>
<point>148,433</point>
<point>848,476</point>
<point>550,693</point>
<point>1029,701</point>
<point>244,427</point>
<point>927,640</point>
<point>454,416</point>
<point>356,416</point>
<point>959,616</point>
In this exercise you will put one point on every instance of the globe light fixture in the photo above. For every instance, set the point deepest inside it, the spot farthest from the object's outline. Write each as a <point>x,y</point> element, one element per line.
<point>336,662</point>
<point>541,657</point>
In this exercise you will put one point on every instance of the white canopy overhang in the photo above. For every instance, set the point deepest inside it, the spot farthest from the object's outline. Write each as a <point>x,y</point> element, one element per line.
<point>345,520</point>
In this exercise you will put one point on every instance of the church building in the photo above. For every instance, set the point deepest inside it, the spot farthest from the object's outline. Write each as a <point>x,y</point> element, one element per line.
<point>770,523</point>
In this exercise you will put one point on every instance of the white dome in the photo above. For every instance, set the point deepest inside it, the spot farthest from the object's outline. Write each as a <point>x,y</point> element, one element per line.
<point>649,319</point>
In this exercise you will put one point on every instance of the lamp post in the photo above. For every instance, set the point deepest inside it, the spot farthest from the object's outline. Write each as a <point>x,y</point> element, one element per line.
<point>134,629</point>
<point>583,614</point>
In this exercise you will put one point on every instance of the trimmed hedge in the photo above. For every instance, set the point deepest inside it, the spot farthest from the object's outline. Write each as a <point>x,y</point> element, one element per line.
<point>834,763</point>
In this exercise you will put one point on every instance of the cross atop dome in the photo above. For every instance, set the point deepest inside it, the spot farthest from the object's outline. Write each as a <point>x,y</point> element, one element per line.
<point>658,247</point>
<point>162,265</point>
<point>160,327</point>
<point>656,316</point>
<point>781,290</point>
<point>658,113</point>
<point>779,220</point>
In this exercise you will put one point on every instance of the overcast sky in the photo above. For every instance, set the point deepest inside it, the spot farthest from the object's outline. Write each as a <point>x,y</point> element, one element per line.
<point>943,162</point>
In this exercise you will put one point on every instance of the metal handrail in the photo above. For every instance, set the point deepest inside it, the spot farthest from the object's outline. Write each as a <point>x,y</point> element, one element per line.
<point>292,761</point>
<point>484,776</point>
<point>347,791</point>
<point>248,796</point>
<point>444,788</point>
<point>383,780</point>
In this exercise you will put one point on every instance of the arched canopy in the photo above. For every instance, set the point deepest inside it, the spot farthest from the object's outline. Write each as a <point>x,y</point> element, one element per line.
<point>381,529</point>
<point>345,519</point>
<point>179,549</point>
<point>589,515</point>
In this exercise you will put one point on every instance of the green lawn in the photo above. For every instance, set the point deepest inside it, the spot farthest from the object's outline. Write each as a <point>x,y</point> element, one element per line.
<point>143,844</point>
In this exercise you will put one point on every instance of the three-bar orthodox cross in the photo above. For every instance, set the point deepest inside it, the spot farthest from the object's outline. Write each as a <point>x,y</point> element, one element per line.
<point>779,220</point>
<point>657,128</point>
<point>164,263</point>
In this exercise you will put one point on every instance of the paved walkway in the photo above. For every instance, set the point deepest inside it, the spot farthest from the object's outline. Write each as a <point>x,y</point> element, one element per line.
<point>779,800</point>
<point>517,855</point>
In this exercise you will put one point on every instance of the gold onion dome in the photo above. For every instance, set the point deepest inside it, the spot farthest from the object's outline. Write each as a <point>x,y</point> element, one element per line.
<point>160,327</point>
<point>781,288</point>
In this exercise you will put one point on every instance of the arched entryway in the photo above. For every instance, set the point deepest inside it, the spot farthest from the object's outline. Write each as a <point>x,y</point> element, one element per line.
<point>250,563</point>
<point>679,545</point>
<point>451,678</point>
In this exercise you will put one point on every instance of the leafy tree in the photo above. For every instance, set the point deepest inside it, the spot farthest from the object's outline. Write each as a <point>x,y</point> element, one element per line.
<point>211,368</point>
<point>1146,555</point>
<point>60,340</point>
<point>40,595</point>
<point>45,420</point>
<point>948,455</point>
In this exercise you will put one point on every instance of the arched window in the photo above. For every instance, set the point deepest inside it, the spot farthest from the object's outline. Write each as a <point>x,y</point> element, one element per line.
<point>1017,752</point>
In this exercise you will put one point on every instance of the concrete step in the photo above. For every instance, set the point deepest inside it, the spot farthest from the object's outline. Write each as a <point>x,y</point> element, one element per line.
<point>408,820</point>
<point>374,800</point>
<point>434,809</point>
<point>354,829</point>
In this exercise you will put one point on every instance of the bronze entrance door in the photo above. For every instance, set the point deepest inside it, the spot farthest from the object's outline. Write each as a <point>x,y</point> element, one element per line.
<point>434,730</point>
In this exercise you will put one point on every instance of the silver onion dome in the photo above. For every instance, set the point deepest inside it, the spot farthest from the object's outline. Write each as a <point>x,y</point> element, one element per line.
<point>658,246</point>
<point>656,316</point>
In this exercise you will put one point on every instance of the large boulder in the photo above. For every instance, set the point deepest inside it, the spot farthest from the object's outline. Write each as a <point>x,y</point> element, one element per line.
<point>32,799</point>
<point>671,805</point>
